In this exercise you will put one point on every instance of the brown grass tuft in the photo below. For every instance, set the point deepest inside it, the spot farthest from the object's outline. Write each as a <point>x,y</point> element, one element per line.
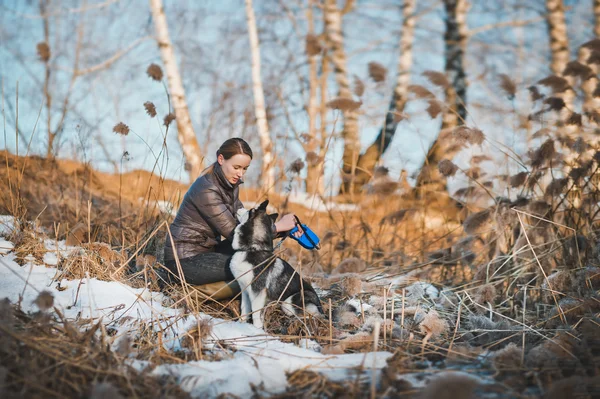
<point>560,282</point>
<point>359,86</point>
<point>576,68</point>
<point>437,78</point>
<point>450,385</point>
<point>380,171</point>
<point>313,45</point>
<point>593,114</point>
<point>543,132</point>
<point>420,91</point>
<point>543,154</point>
<point>574,119</point>
<point>28,246</point>
<point>475,222</point>
<point>43,51</point>
<point>345,319</point>
<point>554,103</point>
<point>575,386</point>
<point>97,259</point>
<point>344,104</point>
<point>540,207</point>
<point>155,72</point>
<point>121,128</point>
<point>485,294</point>
<point>534,93</point>
<point>304,383</point>
<point>519,179</point>
<point>377,72</point>
<point>556,83</point>
<point>195,336</point>
<point>351,286</point>
<point>465,134</point>
<point>350,265</point>
<point>433,325</point>
<point>507,358</point>
<point>44,301</point>
<point>170,117</point>
<point>434,108</point>
<point>296,166</point>
<point>593,44</point>
<point>150,108</point>
<point>447,167</point>
<point>556,187</point>
<point>594,57</point>
<point>508,86</point>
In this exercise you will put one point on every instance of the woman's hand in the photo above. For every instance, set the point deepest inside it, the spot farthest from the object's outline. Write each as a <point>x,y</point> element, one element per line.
<point>286,223</point>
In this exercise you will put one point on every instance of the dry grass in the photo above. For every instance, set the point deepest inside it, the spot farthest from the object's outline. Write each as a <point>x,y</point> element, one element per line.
<point>518,265</point>
<point>41,357</point>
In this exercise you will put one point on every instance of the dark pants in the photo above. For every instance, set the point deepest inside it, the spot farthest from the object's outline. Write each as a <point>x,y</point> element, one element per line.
<point>205,268</point>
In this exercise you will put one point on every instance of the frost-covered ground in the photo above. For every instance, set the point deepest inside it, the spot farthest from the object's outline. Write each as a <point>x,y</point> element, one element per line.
<point>258,358</point>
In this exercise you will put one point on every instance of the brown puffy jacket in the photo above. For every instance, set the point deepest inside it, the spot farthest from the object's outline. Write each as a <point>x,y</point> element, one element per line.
<point>208,211</point>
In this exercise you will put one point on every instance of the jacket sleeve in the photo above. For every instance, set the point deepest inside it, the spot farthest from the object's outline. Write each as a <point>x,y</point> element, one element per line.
<point>213,210</point>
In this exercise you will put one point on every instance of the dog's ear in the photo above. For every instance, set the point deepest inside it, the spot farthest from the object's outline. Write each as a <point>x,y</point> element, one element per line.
<point>274,217</point>
<point>263,205</point>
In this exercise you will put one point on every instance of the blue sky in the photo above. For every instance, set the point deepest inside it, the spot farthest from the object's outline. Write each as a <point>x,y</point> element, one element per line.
<point>212,50</point>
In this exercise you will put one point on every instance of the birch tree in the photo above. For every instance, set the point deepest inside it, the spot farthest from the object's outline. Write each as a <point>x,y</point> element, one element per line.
<point>557,32</point>
<point>315,183</point>
<point>375,151</point>
<point>268,165</point>
<point>335,41</point>
<point>185,131</point>
<point>455,112</point>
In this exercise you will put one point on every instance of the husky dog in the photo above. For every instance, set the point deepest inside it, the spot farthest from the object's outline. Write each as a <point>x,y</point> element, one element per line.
<point>263,277</point>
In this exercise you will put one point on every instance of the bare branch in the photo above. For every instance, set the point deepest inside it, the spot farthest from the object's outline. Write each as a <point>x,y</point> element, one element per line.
<point>114,58</point>
<point>64,11</point>
<point>504,24</point>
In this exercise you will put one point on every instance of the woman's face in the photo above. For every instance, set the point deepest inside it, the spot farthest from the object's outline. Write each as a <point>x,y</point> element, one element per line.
<point>235,167</point>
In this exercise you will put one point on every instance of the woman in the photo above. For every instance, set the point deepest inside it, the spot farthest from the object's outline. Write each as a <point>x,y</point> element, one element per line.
<point>207,214</point>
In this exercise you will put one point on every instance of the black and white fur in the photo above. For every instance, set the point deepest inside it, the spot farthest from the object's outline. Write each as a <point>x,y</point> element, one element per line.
<point>262,277</point>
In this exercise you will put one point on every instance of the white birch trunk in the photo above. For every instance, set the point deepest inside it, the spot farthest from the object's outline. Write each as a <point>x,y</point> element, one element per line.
<point>350,134</point>
<point>185,131</point>
<point>559,40</point>
<point>267,170</point>
<point>314,170</point>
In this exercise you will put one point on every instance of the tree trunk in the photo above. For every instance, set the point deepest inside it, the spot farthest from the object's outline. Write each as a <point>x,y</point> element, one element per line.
<point>267,170</point>
<point>368,160</point>
<point>589,84</point>
<point>314,164</point>
<point>350,134</point>
<point>429,178</point>
<point>559,41</point>
<point>185,131</point>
